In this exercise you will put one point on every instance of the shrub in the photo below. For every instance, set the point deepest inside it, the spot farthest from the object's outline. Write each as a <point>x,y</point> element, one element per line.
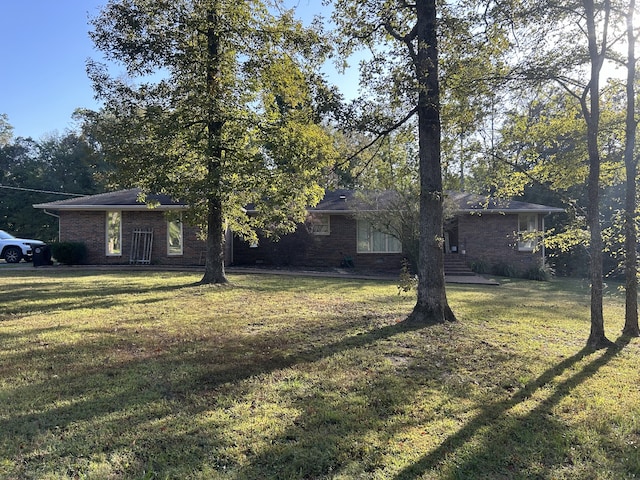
<point>407,281</point>
<point>504,270</point>
<point>69,253</point>
<point>480,266</point>
<point>542,273</point>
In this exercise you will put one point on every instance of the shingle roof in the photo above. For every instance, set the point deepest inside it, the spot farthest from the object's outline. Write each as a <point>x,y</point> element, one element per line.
<point>349,201</point>
<point>470,202</point>
<point>345,201</point>
<point>121,200</point>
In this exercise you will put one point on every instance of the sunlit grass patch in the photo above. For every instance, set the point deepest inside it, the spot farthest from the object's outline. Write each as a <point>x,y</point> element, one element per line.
<point>149,375</point>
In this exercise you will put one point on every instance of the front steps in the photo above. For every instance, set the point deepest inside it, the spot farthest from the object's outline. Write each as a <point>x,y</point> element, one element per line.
<point>455,265</point>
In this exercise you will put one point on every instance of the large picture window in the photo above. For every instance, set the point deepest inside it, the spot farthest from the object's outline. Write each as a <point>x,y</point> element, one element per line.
<point>114,233</point>
<point>371,240</point>
<point>527,226</point>
<point>174,236</point>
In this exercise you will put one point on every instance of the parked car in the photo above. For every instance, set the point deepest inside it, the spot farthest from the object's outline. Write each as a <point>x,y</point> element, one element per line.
<point>14,249</point>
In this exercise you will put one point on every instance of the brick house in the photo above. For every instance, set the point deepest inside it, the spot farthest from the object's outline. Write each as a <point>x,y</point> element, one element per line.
<point>117,228</point>
<point>494,231</point>
<point>482,230</point>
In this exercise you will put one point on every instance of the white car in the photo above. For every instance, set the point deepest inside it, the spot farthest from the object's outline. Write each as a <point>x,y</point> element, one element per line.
<point>14,249</point>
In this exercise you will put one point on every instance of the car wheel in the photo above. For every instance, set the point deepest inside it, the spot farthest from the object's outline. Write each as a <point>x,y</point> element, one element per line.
<point>12,255</point>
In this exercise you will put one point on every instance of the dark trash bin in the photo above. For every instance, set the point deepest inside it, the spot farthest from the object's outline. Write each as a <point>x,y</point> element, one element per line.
<point>42,255</point>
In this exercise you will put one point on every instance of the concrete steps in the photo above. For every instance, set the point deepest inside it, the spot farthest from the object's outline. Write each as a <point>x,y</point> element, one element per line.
<point>456,266</point>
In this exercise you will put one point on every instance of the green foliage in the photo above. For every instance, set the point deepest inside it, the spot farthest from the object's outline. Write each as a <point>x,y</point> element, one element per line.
<point>66,164</point>
<point>505,270</point>
<point>541,273</point>
<point>224,109</point>
<point>6,130</point>
<point>408,281</point>
<point>481,266</point>
<point>69,253</point>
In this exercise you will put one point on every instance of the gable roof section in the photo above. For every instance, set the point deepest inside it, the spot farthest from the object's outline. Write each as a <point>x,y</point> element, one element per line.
<point>480,204</point>
<point>347,201</point>
<point>120,200</point>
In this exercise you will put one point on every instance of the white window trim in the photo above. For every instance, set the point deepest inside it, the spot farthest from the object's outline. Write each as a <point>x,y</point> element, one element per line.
<point>523,221</point>
<point>108,251</point>
<point>169,222</point>
<point>370,249</point>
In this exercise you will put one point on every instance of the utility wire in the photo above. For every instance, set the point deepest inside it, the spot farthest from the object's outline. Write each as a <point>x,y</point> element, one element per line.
<point>42,191</point>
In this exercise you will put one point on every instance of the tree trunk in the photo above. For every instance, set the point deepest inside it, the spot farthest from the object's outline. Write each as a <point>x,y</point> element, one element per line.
<point>631,233</point>
<point>431,306</point>
<point>214,260</point>
<point>597,338</point>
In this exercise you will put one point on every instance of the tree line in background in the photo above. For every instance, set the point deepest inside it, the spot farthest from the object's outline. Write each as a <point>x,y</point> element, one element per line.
<point>53,168</point>
<point>223,104</point>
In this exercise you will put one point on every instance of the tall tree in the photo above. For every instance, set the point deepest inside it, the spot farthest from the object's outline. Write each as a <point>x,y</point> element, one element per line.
<point>552,53</point>
<point>630,218</point>
<point>407,73</point>
<point>597,20</point>
<point>224,110</point>
<point>432,305</point>
<point>6,130</point>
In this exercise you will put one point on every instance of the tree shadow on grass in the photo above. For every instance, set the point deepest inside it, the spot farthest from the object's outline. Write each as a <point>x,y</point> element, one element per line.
<point>19,300</point>
<point>535,441</point>
<point>132,396</point>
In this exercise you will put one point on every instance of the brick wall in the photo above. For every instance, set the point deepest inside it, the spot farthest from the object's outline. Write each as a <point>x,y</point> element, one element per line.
<point>492,238</point>
<point>90,229</point>
<point>322,251</point>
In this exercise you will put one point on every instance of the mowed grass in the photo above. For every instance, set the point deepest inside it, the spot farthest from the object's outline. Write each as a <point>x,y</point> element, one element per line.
<point>146,375</point>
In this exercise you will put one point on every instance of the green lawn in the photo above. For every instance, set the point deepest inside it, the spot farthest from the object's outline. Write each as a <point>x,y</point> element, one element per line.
<point>146,375</point>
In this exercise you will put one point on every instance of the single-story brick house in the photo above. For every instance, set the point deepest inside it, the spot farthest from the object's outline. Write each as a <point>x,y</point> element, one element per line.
<point>118,228</point>
<point>482,230</point>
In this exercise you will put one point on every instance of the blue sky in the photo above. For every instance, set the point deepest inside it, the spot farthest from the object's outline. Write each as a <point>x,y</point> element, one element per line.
<point>44,45</point>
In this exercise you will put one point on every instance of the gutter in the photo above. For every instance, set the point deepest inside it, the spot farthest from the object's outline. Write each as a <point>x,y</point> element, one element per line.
<point>44,210</point>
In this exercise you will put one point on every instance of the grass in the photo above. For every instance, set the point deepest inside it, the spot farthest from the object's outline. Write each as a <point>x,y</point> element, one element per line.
<point>143,375</point>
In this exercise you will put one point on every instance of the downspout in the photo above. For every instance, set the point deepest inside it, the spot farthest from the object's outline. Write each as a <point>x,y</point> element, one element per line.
<point>56,216</point>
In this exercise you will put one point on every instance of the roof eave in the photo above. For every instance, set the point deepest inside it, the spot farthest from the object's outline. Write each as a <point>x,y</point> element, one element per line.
<point>545,211</point>
<point>139,208</point>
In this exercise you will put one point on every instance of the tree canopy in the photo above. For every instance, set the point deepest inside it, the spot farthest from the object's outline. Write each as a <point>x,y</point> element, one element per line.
<point>221,107</point>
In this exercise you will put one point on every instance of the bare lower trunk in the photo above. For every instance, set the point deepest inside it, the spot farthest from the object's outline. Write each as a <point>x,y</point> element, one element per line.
<point>597,338</point>
<point>214,260</point>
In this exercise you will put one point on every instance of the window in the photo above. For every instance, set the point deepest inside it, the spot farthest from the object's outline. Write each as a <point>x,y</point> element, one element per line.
<point>319,224</point>
<point>371,240</point>
<point>174,236</point>
<point>114,233</point>
<point>527,225</point>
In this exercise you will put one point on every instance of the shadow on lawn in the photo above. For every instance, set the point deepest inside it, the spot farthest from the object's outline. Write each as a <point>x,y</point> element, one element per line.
<point>128,398</point>
<point>19,300</point>
<point>534,440</point>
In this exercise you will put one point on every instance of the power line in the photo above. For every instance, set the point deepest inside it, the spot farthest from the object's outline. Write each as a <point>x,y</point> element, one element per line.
<point>42,191</point>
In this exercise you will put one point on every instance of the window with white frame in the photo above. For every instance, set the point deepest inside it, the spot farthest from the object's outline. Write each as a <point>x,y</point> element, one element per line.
<point>371,240</point>
<point>175,235</point>
<point>527,226</point>
<point>114,233</point>
<point>319,224</point>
